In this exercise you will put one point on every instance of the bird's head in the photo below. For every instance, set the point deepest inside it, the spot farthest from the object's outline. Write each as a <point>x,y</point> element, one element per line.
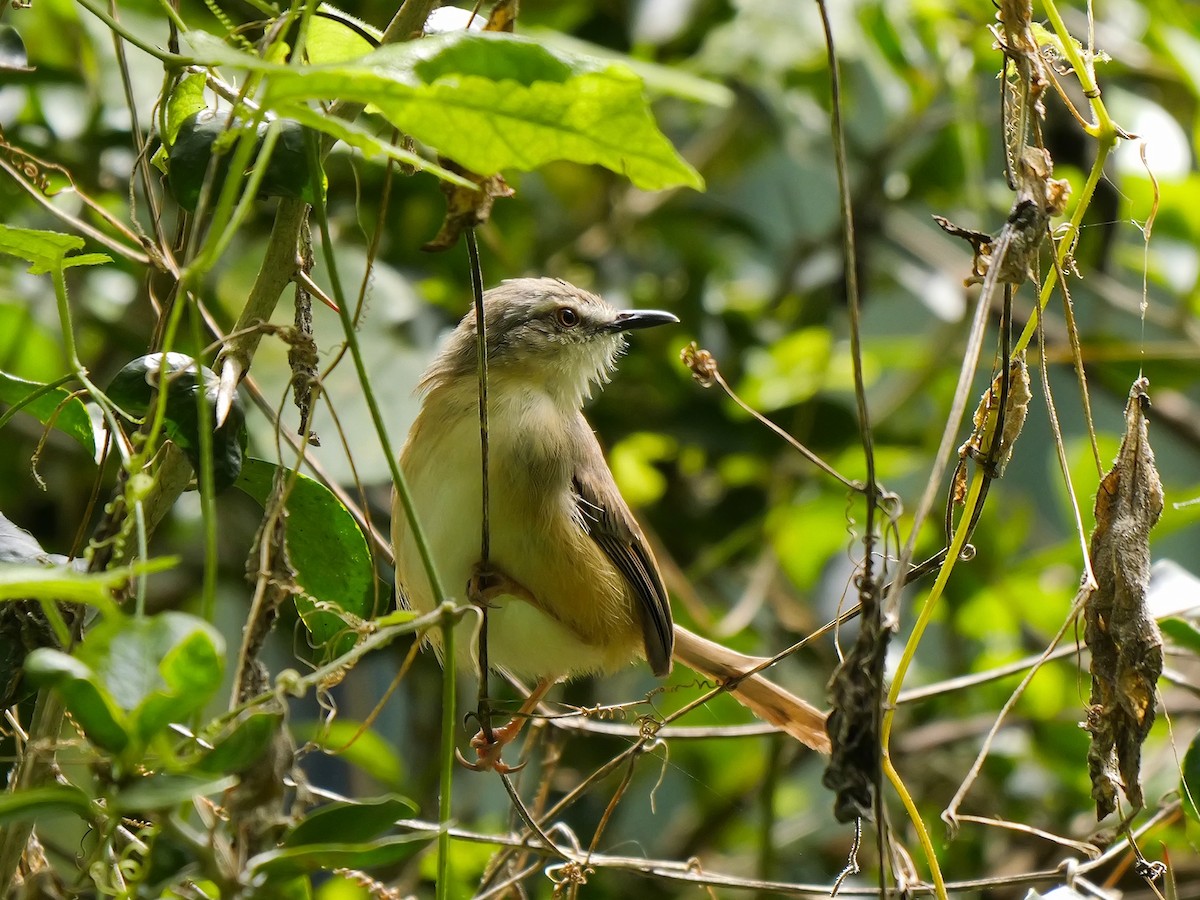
<point>547,333</point>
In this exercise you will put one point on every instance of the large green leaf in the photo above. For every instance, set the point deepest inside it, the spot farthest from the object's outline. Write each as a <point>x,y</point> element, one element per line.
<point>72,417</point>
<point>131,677</point>
<point>492,101</point>
<point>327,548</point>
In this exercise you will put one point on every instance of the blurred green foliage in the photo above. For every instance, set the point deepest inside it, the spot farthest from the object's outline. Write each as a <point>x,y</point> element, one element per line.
<point>758,546</point>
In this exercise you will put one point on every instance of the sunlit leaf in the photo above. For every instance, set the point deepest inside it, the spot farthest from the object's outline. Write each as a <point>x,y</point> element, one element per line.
<point>158,669</point>
<point>492,101</point>
<point>45,251</point>
<point>92,708</point>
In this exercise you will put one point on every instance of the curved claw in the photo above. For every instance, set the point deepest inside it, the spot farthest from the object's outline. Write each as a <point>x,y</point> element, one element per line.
<point>487,762</point>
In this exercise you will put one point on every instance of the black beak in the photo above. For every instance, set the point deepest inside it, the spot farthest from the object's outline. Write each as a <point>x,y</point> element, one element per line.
<point>632,319</point>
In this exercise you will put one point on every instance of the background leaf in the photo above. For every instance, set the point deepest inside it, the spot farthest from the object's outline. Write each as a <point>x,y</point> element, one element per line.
<point>72,418</point>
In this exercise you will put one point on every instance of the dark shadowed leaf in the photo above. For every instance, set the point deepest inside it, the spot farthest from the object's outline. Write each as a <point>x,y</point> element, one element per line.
<point>350,821</point>
<point>243,745</point>
<point>314,857</point>
<point>25,806</point>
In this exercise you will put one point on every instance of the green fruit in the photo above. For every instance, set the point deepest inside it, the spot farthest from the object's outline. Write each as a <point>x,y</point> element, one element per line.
<point>134,389</point>
<point>188,158</point>
<point>287,175</point>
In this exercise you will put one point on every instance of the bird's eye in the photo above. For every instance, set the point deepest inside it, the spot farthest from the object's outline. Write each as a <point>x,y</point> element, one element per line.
<point>566,317</point>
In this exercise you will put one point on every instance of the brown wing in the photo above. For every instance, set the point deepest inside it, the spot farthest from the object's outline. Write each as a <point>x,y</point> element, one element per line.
<point>607,519</point>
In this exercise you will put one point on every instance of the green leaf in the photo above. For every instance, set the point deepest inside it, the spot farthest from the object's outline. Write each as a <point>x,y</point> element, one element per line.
<point>243,745</point>
<point>72,418</point>
<point>350,821</point>
<point>334,36</point>
<point>93,708</point>
<point>162,791</point>
<point>288,170</point>
<point>659,79</point>
<point>186,100</point>
<point>24,806</point>
<point>1185,634</point>
<point>159,669</point>
<point>365,750</point>
<point>45,251</point>
<point>327,548</point>
<point>66,584</point>
<point>1189,784</point>
<point>492,101</point>
<point>290,861</point>
<point>370,145</point>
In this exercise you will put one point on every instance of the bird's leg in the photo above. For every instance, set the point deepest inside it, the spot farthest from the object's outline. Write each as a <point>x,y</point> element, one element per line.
<point>487,583</point>
<point>489,747</point>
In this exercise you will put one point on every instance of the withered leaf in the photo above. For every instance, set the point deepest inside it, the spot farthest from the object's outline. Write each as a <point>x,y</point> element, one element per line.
<point>503,16</point>
<point>466,208</point>
<point>979,446</point>
<point>856,693</point>
<point>1123,638</point>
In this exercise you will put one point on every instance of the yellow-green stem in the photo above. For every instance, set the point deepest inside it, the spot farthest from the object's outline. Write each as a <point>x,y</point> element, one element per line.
<point>974,497</point>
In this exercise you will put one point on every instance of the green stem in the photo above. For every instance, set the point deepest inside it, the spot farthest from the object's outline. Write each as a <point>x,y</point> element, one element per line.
<point>204,477</point>
<point>974,497</point>
<point>1067,241</point>
<point>402,491</point>
<point>170,59</point>
<point>64,318</point>
<point>446,773</point>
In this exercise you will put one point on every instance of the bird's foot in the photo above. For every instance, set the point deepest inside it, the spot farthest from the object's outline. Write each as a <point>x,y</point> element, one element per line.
<point>488,583</point>
<point>488,749</point>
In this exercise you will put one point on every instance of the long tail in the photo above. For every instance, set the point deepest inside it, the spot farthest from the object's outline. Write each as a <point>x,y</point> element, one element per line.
<point>764,698</point>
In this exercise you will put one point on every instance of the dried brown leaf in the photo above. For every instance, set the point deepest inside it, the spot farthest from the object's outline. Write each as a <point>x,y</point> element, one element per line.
<point>979,445</point>
<point>1124,640</point>
<point>466,207</point>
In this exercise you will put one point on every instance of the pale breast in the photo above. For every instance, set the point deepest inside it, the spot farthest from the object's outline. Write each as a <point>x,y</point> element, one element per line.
<point>583,619</point>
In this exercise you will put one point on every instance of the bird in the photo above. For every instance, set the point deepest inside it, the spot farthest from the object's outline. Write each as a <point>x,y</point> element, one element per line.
<point>571,584</point>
